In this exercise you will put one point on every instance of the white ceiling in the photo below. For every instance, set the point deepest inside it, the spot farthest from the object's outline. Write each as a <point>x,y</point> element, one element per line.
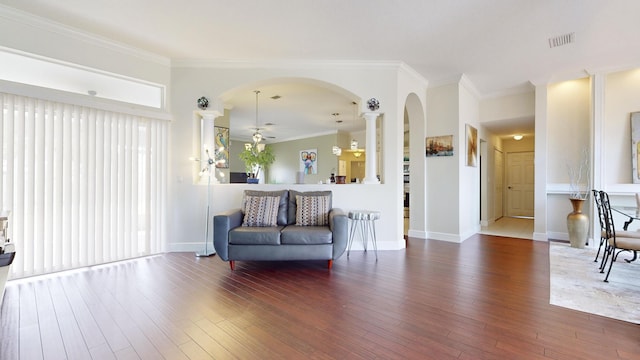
<point>500,45</point>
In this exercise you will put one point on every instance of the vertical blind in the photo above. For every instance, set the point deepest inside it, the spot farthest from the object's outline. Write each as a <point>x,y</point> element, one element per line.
<point>84,186</point>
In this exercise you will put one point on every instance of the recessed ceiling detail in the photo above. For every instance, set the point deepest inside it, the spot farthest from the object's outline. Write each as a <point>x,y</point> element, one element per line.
<point>562,40</point>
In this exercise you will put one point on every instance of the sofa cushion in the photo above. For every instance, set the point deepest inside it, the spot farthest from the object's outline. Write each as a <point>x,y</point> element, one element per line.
<point>282,207</point>
<point>306,235</point>
<point>312,210</point>
<point>261,210</point>
<point>293,206</point>
<point>248,235</point>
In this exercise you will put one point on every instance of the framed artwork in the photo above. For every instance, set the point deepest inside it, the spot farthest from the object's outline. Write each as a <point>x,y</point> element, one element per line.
<point>472,145</point>
<point>635,147</point>
<point>439,145</point>
<point>309,161</point>
<point>221,153</point>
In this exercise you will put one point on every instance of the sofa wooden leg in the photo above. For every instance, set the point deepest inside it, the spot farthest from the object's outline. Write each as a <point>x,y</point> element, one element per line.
<point>232,264</point>
<point>330,264</point>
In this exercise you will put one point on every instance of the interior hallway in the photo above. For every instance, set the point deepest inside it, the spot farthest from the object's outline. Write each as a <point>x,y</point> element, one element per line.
<point>505,226</point>
<point>510,227</point>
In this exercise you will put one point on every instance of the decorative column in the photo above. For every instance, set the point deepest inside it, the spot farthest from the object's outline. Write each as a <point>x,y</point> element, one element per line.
<point>370,162</point>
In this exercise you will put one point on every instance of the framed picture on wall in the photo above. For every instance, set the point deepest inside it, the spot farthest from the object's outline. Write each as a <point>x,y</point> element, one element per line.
<point>635,146</point>
<point>221,152</point>
<point>472,145</point>
<point>439,145</point>
<point>309,161</point>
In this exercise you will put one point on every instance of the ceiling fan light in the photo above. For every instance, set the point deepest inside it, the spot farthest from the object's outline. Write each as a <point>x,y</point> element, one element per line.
<point>257,137</point>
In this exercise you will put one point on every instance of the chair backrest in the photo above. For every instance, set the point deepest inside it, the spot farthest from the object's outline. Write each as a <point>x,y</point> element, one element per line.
<point>598,201</point>
<point>608,216</point>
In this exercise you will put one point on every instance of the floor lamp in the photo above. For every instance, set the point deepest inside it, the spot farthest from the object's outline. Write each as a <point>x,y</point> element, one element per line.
<point>207,169</point>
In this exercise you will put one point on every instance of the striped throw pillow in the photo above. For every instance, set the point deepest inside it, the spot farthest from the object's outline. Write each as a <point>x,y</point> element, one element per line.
<point>261,211</point>
<point>312,210</point>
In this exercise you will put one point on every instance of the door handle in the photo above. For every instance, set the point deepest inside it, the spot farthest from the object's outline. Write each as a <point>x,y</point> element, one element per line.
<point>509,187</point>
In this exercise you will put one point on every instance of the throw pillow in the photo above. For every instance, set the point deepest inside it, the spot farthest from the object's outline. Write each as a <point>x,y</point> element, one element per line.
<point>312,210</point>
<point>261,211</point>
<point>282,209</point>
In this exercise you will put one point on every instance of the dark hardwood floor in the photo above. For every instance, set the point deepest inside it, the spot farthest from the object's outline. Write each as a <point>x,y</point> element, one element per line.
<point>487,298</point>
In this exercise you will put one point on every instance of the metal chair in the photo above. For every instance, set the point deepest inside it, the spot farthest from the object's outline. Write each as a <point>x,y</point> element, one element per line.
<point>603,225</point>
<point>615,243</point>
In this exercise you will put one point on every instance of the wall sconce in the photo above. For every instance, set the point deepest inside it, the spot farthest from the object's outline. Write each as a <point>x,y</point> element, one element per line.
<point>517,137</point>
<point>357,154</point>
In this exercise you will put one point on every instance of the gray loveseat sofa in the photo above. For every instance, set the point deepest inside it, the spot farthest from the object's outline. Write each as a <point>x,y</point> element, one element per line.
<point>281,225</point>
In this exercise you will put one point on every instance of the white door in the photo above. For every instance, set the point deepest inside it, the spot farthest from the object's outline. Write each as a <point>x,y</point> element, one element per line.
<point>520,184</point>
<point>498,189</point>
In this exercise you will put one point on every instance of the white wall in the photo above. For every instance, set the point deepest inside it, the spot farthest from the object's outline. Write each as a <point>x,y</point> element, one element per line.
<point>622,97</point>
<point>515,106</point>
<point>287,164</point>
<point>568,134</point>
<point>469,198</point>
<point>443,172</point>
<point>187,203</point>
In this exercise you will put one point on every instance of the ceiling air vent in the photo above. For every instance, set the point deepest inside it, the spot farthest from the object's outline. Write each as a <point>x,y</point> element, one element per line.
<point>562,40</point>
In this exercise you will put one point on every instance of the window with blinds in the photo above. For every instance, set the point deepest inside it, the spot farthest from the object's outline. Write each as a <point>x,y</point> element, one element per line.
<point>84,186</point>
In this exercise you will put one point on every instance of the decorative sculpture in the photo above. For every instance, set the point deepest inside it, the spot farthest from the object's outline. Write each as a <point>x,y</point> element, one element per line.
<point>373,104</point>
<point>203,103</point>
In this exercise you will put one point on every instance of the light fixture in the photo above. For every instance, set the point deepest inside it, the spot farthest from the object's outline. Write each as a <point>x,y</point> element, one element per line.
<point>336,150</point>
<point>357,154</point>
<point>517,137</point>
<point>206,170</point>
<point>257,136</point>
<point>354,143</point>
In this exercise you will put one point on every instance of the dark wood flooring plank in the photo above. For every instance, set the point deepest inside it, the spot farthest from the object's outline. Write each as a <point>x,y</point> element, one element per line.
<point>487,298</point>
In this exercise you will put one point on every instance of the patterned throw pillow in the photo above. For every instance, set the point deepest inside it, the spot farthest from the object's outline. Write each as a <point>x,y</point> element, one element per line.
<point>312,210</point>
<point>261,210</point>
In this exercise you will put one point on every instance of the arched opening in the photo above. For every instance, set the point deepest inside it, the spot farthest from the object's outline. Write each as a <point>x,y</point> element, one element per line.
<point>414,179</point>
<point>294,116</point>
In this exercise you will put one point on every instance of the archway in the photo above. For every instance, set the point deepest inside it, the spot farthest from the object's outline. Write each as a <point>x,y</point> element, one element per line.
<point>414,115</point>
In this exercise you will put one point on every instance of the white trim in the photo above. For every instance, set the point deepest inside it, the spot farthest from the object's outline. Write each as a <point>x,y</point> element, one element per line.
<point>470,86</point>
<point>284,64</point>
<point>413,73</point>
<point>540,236</point>
<point>82,100</point>
<point>100,77</point>
<point>443,237</point>
<point>417,234</point>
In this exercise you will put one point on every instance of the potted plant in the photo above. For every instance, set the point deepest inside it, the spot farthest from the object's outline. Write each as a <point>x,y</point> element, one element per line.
<point>577,221</point>
<point>256,157</point>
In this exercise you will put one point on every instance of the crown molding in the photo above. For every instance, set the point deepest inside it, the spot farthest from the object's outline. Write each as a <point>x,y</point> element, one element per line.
<point>471,87</point>
<point>414,74</point>
<point>74,33</point>
<point>283,64</point>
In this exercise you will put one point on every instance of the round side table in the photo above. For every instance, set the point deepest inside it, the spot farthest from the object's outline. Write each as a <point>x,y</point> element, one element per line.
<point>364,222</point>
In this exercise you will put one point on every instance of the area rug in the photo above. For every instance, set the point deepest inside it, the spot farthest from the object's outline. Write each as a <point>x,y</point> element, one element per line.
<point>576,283</point>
